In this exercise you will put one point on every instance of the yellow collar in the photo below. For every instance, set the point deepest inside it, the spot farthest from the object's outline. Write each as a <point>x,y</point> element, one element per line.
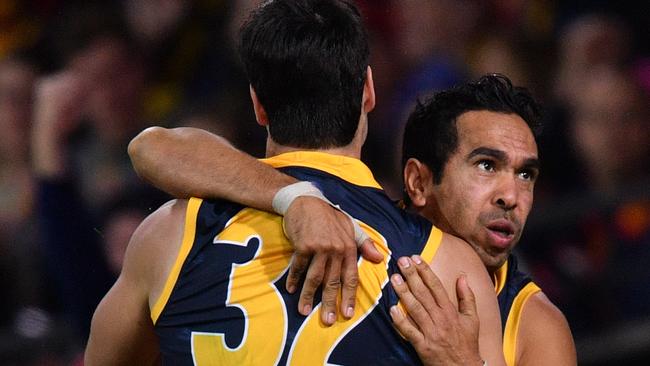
<point>346,168</point>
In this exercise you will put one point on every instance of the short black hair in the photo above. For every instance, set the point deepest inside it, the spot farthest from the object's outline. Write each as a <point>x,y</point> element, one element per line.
<point>307,61</point>
<point>431,135</point>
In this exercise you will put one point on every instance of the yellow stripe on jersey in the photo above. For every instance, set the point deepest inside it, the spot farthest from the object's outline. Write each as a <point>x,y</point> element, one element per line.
<point>347,168</point>
<point>432,245</point>
<point>189,231</point>
<point>429,251</point>
<point>372,278</point>
<point>512,324</point>
<point>499,278</point>
<point>314,340</point>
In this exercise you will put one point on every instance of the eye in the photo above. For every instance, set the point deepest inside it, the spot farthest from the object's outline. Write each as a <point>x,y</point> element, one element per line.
<point>486,165</point>
<point>527,174</point>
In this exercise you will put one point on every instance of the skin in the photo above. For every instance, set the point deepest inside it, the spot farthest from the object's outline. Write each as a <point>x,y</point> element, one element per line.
<point>484,196</point>
<point>486,190</point>
<point>445,333</point>
<point>141,280</point>
<point>498,182</point>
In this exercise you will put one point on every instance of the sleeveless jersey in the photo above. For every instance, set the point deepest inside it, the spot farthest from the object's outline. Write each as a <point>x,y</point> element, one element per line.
<point>225,302</point>
<point>513,289</point>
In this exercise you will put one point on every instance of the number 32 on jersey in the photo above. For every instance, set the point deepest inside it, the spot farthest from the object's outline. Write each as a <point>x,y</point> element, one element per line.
<point>266,319</point>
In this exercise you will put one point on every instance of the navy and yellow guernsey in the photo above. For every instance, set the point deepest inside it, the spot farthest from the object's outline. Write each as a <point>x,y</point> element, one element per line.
<point>225,302</point>
<point>513,289</point>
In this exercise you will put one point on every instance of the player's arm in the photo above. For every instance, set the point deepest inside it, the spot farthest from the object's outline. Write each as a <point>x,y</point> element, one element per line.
<point>544,337</point>
<point>191,162</point>
<point>440,332</point>
<point>122,331</point>
<point>455,259</point>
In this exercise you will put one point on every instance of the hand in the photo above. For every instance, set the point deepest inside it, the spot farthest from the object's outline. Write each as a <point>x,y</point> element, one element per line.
<point>323,235</point>
<point>441,334</point>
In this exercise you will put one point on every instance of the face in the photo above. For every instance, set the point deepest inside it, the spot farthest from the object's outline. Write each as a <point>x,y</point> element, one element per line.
<point>486,190</point>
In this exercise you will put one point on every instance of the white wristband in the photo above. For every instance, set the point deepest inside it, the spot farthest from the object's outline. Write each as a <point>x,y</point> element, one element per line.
<point>286,195</point>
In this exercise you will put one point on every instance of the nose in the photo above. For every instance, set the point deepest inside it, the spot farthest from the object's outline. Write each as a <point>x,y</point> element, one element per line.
<point>506,193</point>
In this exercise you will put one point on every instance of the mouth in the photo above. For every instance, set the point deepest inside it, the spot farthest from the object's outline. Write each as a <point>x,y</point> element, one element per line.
<point>501,232</point>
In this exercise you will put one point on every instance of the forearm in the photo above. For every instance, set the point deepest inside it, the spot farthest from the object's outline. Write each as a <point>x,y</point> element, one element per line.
<point>187,162</point>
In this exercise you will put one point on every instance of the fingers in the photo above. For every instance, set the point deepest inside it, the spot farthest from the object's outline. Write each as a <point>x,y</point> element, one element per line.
<point>363,242</point>
<point>411,304</point>
<point>331,288</point>
<point>416,285</point>
<point>466,299</point>
<point>370,252</point>
<point>432,282</point>
<point>405,326</point>
<point>313,280</point>
<point>297,270</point>
<point>326,242</point>
<point>350,277</point>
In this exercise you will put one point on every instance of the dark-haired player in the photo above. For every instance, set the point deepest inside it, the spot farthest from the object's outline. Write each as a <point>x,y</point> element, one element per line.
<point>204,281</point>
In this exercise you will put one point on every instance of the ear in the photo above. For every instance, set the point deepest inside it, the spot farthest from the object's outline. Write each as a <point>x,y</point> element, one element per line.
<point>368,92</point>
<point>417,179</point>
<point>260,113</point>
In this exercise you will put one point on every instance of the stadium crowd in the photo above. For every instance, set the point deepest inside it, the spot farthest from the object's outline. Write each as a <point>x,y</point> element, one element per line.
<point>79,79</point>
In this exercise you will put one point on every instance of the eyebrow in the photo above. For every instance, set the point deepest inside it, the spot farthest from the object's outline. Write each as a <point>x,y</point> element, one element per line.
<point>529,163</point>
<point>497,154</point>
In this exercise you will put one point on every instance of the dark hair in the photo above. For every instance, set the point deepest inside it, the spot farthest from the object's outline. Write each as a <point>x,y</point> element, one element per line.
<point>431,135</point>
<point>307,60</point>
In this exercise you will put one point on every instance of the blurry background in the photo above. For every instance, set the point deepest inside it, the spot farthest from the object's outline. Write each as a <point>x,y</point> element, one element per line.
<point>78,79</point>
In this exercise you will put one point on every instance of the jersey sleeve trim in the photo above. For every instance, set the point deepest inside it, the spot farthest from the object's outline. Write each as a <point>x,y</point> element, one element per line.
<point>514,318</point>
<point>432,245</point>
<point>189,232</point>
<point>500,278</point>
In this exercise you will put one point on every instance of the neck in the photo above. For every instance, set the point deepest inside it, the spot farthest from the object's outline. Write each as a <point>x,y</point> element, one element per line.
<point>350,150</point>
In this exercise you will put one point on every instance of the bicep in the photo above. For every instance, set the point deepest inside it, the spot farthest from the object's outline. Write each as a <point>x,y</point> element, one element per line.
<point>122,331</point>
<point>455,257</point>
<point>544,336</point>
<point>490,331</point>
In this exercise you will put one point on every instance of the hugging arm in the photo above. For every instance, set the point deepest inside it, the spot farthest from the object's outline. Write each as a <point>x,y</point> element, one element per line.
<point>447,323</point>
<point>441,333</point>
<point>189,162</point>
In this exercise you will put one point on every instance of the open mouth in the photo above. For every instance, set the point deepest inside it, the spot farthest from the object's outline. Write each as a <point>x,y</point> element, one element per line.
<point>503,231</point>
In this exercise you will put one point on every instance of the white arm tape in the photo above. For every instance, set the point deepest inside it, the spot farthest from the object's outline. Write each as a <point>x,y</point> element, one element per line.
<point>286,195</point>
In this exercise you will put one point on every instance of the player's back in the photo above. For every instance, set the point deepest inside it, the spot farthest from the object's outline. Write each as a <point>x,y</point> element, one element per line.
<point>225,301</point>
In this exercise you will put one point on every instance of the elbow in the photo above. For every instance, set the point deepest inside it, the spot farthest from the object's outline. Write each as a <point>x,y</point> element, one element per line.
<point>142,148</point>
<point>144,141</point>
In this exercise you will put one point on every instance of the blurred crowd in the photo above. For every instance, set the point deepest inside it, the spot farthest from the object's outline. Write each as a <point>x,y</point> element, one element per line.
<point>78,80</point>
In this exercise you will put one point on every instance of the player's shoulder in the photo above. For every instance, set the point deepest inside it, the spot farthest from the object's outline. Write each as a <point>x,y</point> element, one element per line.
<point>161,224</point>
<point>155,243</point>
<point>455,257</point>
<point>542,314</point>
<point>542,327</point>
<point>457,253</point>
